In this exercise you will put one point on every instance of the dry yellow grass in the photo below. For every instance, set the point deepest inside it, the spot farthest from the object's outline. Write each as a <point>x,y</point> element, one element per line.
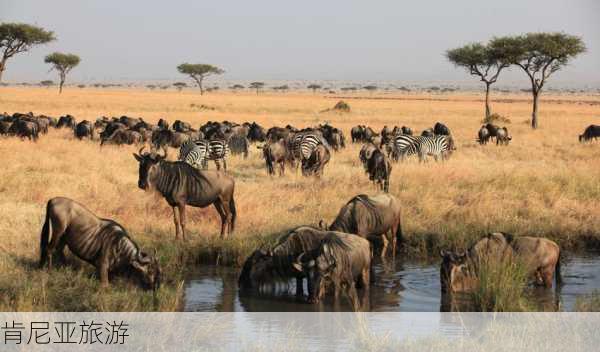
<point>545,183</point>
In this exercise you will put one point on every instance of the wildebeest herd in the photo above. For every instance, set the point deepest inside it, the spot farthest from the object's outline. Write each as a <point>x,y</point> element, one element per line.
<point>336,256</point>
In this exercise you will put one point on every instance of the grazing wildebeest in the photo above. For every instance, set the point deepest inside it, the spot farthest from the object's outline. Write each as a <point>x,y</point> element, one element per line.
<point>266,267</point>
<point>374,218</point>
<point>100,242</point>
<point>181,184</point>
<point>163,124</point>
<point>5,127</point>
<point>315,164</point>
<point>239,144</point>
<point>379,169</point>
<point>66,121</point>
<point>343,260</point>
<point>591,132</point>
<point>25,129</point>
<point>130,122</point>
<point>483,136</point>
<point>441,129</point>
<point>365,154</point>
<point>84,129</point>
<point>122,136</point>
<point>167,138</point>
<point>275,153</point>
<point>502,136</point>
<point>42,123</point>
<point>540,257</point>
<point>492,129</point>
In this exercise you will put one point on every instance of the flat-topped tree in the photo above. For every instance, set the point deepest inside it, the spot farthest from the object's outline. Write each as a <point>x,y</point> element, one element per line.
<point>539,55</point>
<point>314,87</point>
<point>63,63</point>
<point>482,61</point>
<point>18,38</point>
<point>198,72</point>
<point>179,85</point>
<point>257,85</point>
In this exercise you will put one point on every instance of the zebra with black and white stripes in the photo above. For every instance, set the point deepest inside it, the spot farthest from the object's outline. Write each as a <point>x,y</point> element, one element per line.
<point>195,153</point>
<point>304,143</point>
<point>218,151</point>
<point>404,145</point>
<point>439,146</point>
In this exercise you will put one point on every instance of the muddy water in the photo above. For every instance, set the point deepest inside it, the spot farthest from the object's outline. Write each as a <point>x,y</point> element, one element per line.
<point>398,287</point>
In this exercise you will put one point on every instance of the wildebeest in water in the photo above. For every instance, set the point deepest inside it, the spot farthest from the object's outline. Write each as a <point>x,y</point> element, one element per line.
<point>264,268</point>
<point>181,184</point>
<point>344,260</point>
<point>539,257</point>
<point>100,242</point>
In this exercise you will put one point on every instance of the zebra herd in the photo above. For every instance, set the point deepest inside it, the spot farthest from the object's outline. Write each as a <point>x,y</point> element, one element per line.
<point>198,152</point>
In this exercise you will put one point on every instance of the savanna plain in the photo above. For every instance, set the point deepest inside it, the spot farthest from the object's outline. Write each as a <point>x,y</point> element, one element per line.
<point>545,183</point>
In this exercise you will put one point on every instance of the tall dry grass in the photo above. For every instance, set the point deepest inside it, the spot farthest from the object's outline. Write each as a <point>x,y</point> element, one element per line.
<point>545,183</point>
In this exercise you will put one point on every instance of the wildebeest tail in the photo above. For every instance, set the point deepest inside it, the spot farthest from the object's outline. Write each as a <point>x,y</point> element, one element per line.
<point>45,236</point>
<point>268,160</point>
<point>557,274</point>
<point>233,213</point>
<point>399,236</point>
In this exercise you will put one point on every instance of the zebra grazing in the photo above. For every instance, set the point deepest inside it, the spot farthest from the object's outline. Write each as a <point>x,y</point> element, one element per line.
<point>197,153</point>
<point>437,146</point>
<point>304,143</point>
<point>403,145</point>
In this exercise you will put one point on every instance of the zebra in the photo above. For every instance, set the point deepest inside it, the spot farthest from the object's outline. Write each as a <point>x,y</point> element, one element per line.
<point>195,153</point>
<point>218,150</point>
<point>404,145</point>
<point>304,143</point>
<point>438,146</point>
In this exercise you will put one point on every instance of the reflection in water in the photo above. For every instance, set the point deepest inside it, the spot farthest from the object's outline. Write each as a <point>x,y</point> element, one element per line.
<point>405,286</point>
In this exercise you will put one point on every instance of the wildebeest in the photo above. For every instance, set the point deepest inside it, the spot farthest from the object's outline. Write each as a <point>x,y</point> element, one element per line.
<point>84,129</point>
<point>5,127</point>
<point>591,132</point>
<point>180,126</point>
<point>492,129</point>
<point>365,154</point>
<point>343,260</point>
<point>100,242</point>
<point>372,217</point>
<point>163,124</point>
<point>275,153</point>
<point>66,121</point>
<point>502,136</point>
<point>256,133</point>
<point>25,129</point>
<point>239,144</point>
<point>540,257</point>
<point>266,267</point>
<point>167,138</point>
<point>407,130</point>
<point>122,136</point>
<point>379,169</point>
<point>483,136</point>
<point>315,164</point>
<point>428,132</point>
<point>441,129</point>
<point>181,184</point>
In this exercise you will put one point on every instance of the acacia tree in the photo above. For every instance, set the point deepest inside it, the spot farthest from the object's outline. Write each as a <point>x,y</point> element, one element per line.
<point>179,85</point>
<point>18,38</point>
<point>482,61</point>
<point>198,72</point>
<point>539,55</point>
<point>63,63</point>
<point>257,85</point>
<point>314,87</point>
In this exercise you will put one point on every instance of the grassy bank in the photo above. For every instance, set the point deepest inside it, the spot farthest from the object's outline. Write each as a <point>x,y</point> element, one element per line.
<point>544,184</point>
<point>588,303</point>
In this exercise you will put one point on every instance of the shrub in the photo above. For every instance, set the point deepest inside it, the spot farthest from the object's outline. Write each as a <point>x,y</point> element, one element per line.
<point>494,118</point>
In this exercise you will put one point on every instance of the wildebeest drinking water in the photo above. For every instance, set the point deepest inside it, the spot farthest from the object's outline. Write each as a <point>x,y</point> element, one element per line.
<point>342,259</point>
<point>540,258</point>
<point>100,242</point>
<point>181,184</point>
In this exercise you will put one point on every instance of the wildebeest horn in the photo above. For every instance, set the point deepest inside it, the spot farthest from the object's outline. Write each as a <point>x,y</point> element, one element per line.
<point>143,257</point>
<point>299,259</point>
<point>141,149</point>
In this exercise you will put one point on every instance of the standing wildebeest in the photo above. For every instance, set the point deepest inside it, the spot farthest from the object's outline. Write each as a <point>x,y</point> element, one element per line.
<point>266,267</point>
<point>492,129</point>
<point>379,169</point>
<point>365,153</point>
<point>315,164</point>
<point>591,132</point>
<point>181,184</point>
<point>502,136</point>
<point>180,126</point>
<point>66,121</point>
<point>540,257</point>
<point>163,124</point>
<point>84,129</point>
<point>122,136</point>
<point>256,133</point>
<point>342,259</point>
<point>275,153</point>
<point>357,134</point>
<point>100,242</point>
<point>483,136</point>
<point>167,138</point>
<point>239,144</point>
<point>372,218</point>
<point>441,129</point>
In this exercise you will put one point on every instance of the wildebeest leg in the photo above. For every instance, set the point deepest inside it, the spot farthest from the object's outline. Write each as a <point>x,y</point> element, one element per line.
<point>223,213</point>
<point>102,266</point>
<point>393,232</point>
<point>353,295</point>
<point>546,274</point>
<point>384,246</point>
<point>176,220</point>
<point>58,230</point>
<point>282,168</point>
<point>181,208</point>
<point>224,165</point>
<point>217,164</point>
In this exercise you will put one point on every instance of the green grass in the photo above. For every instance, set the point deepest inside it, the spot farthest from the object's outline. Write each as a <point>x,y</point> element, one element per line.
<point>588,303</point>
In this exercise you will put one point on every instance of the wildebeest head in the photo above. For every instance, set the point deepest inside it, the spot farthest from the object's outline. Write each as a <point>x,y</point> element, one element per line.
<point>148,268</point>
<point>147,162</point>
<point>454,272</point>
<point>317,270</point>
<point>258,269</point>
